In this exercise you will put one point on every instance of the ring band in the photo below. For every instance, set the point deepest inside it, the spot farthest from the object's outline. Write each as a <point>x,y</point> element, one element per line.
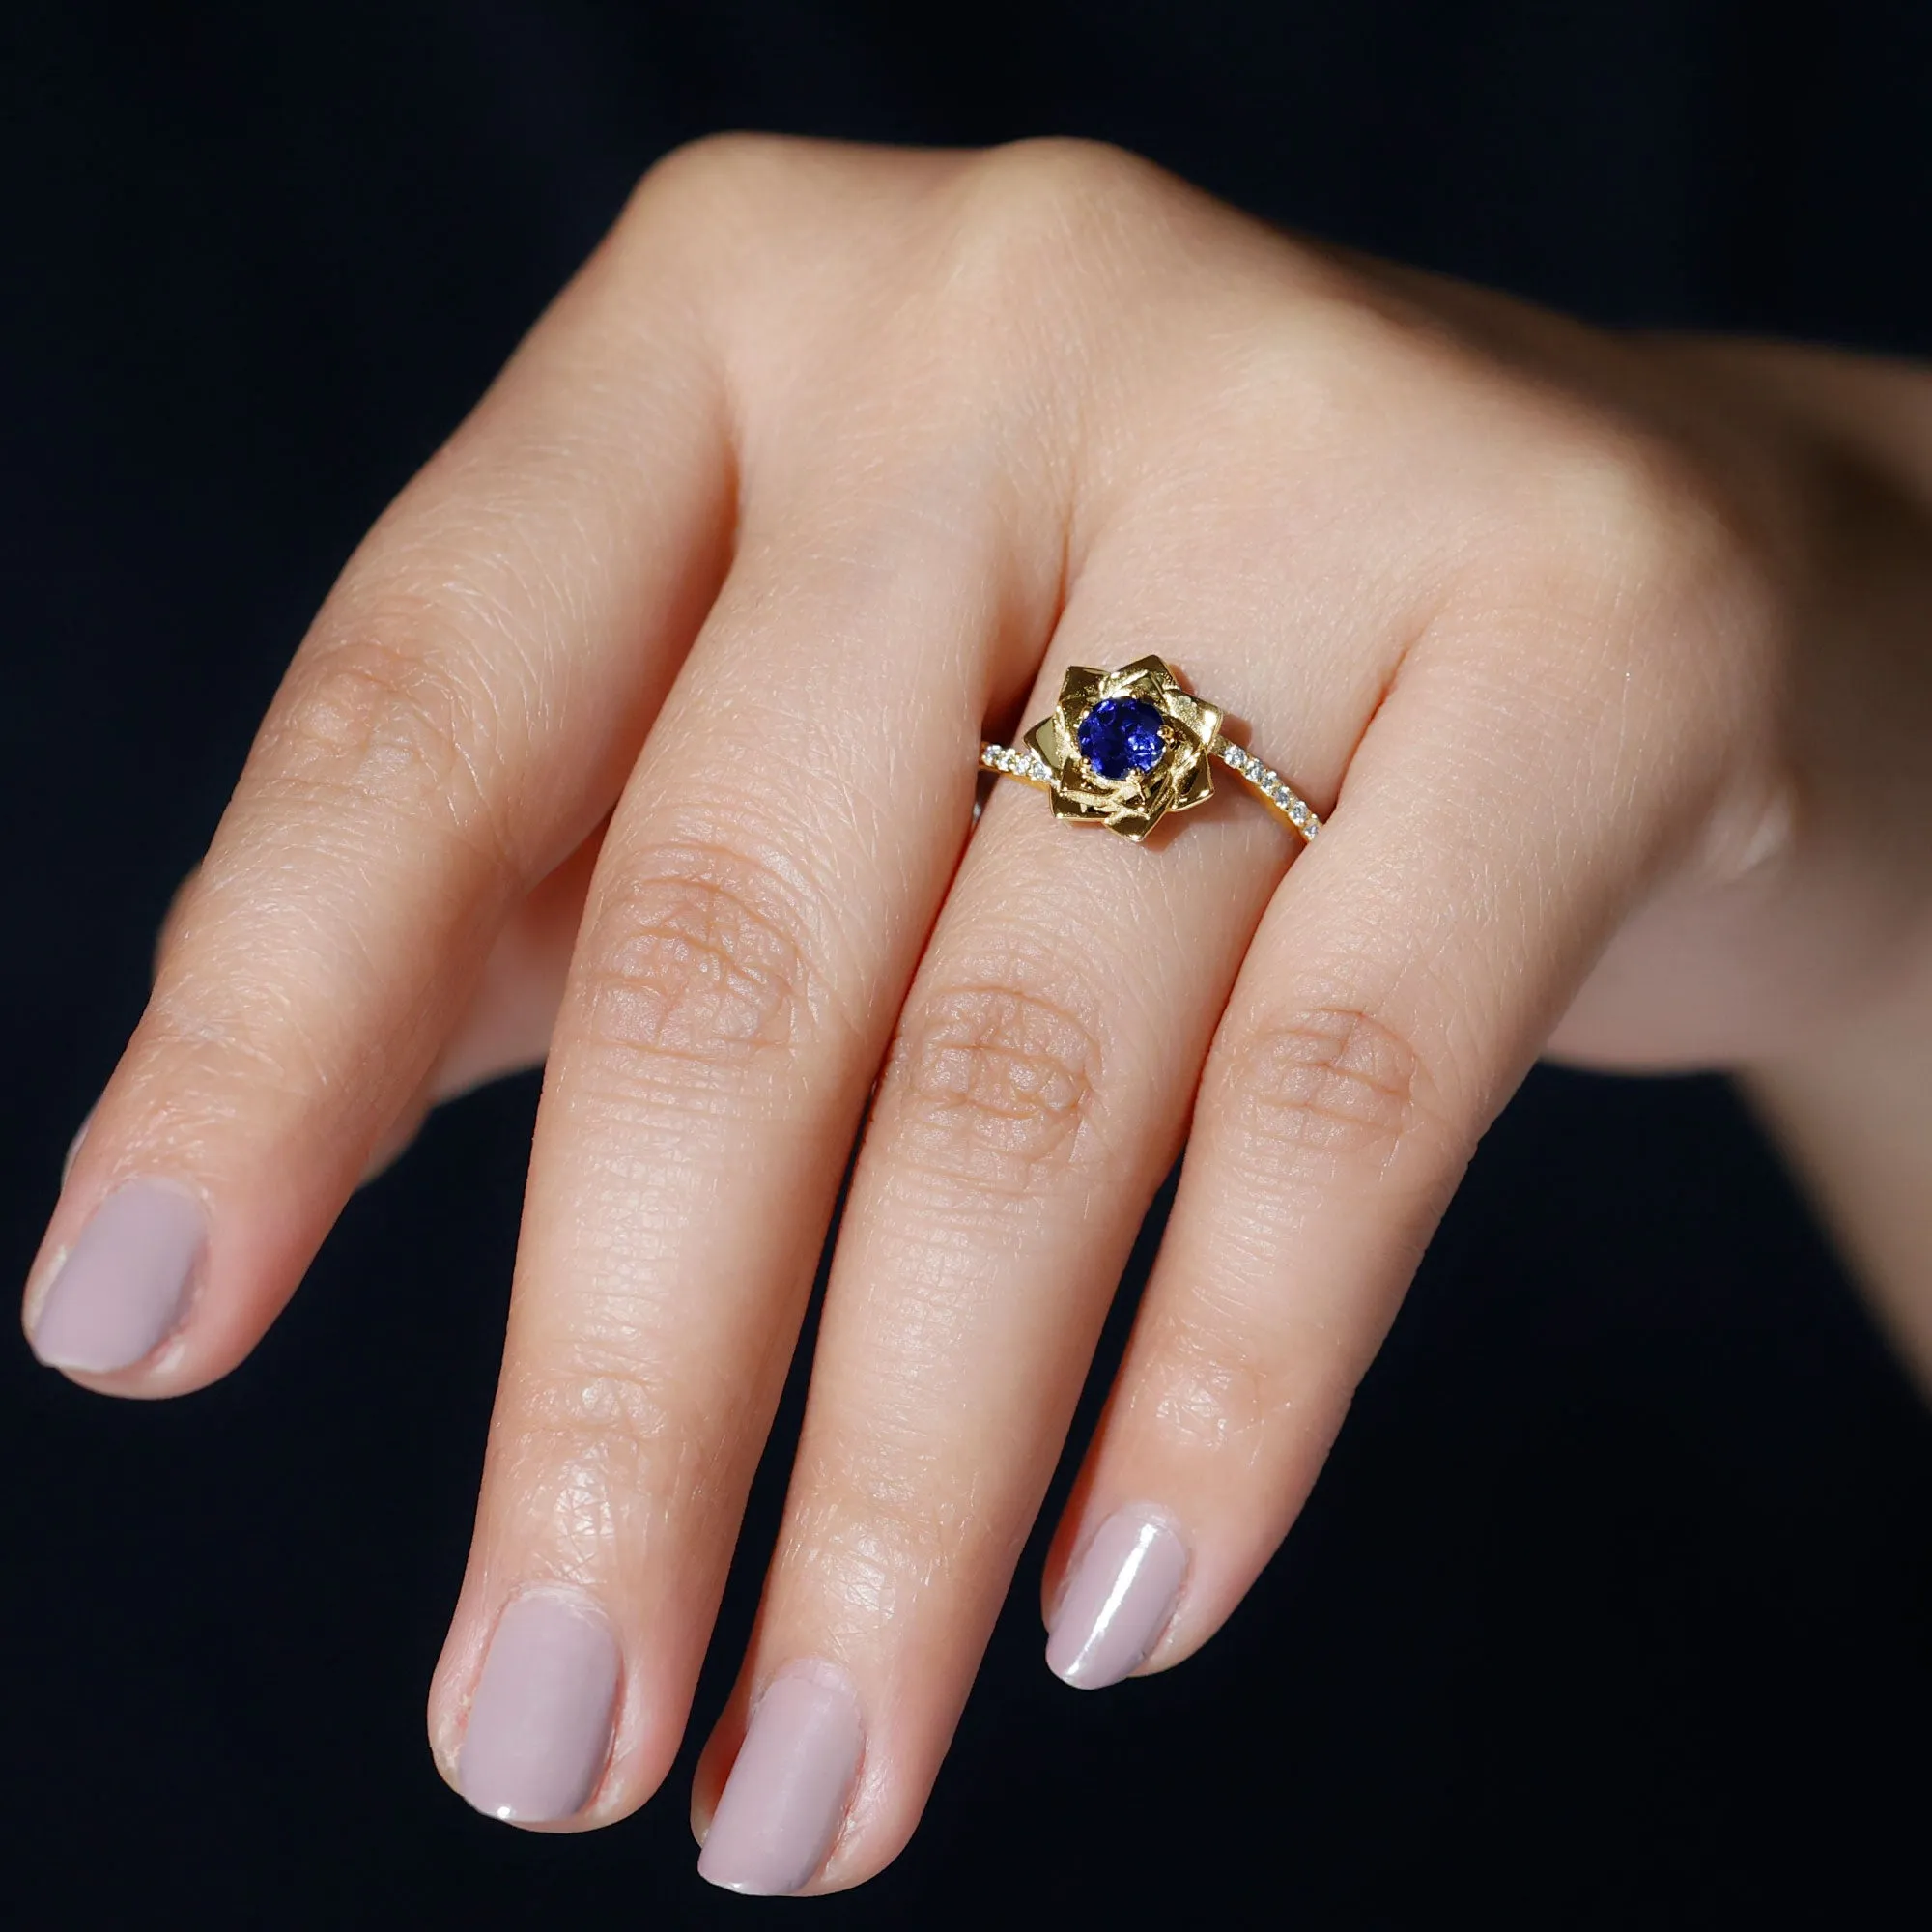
<point>1124,748</point>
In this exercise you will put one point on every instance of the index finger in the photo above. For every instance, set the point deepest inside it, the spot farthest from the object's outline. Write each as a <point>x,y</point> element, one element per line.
<point>458,718</point>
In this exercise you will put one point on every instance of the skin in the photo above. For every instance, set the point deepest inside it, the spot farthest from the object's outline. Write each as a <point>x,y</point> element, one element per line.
<point>639,736</point>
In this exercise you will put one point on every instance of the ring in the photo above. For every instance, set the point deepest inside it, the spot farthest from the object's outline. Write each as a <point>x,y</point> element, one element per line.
<point>1124,748</point>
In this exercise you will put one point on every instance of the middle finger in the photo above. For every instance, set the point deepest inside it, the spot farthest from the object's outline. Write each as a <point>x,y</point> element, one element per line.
<point>756,914</point>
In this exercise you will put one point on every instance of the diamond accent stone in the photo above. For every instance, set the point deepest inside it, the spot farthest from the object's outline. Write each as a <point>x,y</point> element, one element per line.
<point>1271,785</point>
<point>1013,764</point>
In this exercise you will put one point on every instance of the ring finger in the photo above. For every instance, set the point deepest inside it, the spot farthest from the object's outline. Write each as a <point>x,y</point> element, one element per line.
<point>1037,1090</point>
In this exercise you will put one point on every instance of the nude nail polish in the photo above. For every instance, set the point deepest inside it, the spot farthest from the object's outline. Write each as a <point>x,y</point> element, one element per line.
<point>1119,1601</point>
<point>539,1730</point>
<point>123,1288</point>
<point>782,1804</point>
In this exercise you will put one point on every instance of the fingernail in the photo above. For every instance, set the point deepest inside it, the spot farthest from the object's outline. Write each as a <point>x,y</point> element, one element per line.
<point>539,1730</point>
<point>788,1790</point>
<point>1119,1601</point>
<point>121,1291</point>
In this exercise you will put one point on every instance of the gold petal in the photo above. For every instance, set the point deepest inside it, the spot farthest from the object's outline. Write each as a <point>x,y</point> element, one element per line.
<point>1152,668</point>
<point>1076,781</point>
<point>1079,685</point>
<point>1195,786</point>
<point>1082,810</point>
<point>1049,740</point>
<point>1198,719</point>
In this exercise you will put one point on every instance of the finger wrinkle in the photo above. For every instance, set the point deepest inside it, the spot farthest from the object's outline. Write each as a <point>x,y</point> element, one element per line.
<point>991,1087</point>
<point>604,1460</point>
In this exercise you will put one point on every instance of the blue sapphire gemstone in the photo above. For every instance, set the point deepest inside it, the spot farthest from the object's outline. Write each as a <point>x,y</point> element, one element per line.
<point>1121,736</point>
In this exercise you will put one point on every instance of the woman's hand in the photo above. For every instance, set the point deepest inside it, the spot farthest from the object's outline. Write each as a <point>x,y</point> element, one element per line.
<point>643,732</point>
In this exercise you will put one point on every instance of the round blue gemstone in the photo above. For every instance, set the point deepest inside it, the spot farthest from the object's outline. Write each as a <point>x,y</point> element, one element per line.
<point>1121,736</point>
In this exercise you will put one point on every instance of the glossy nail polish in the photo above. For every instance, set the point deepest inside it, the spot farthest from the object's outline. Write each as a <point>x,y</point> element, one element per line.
<point>1119,1601</point>
<point>123,1288</point>
<point>782,1804</point>
<point>539,1730</point>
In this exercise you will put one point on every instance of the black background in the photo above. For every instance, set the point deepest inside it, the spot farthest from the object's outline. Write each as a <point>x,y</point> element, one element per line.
<point>1614,1607</point>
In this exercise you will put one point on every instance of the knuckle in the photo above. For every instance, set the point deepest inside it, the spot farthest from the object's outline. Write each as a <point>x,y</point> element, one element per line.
<point>992,1087</point>
<point>704,217</point>
<point>1637,545</point>
<point>602,1447</point>
<point>744,195</point>
<point>693,959</point>
<point>1046,181</point>
<point>730,165</point>
<point>1641,509</point>
<point>1041,217</point>
<point>1620,489</point>
<point>888,1521</point>
<point>1330,1083</point>
<point>203,1043</point>
<point>397,727</point>
<point>1215,1380</point>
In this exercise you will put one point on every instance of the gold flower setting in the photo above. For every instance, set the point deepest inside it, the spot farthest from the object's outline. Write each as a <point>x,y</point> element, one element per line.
<point>1127,747</point>
<point>1124,748</point>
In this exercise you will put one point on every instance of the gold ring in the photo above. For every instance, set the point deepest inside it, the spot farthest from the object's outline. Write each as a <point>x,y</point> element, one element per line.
<point>1124,748</point>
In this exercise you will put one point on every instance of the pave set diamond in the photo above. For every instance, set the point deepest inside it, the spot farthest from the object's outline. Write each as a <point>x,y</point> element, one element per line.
<point>1271,785</point>
<point>1028,764</point>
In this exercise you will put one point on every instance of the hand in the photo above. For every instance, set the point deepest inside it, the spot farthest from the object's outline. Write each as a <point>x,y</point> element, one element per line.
<point>640,734</point>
